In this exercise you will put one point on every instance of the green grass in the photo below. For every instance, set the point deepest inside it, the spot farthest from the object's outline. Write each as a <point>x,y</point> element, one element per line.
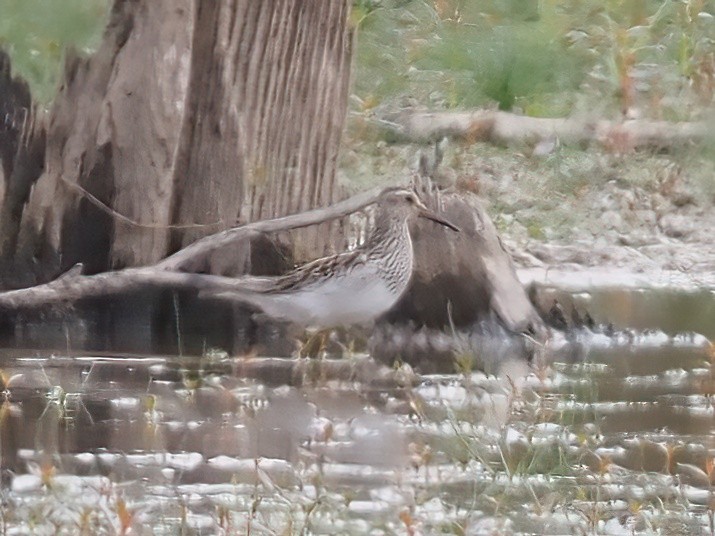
<point>544,58</point>
<point>548,58</point>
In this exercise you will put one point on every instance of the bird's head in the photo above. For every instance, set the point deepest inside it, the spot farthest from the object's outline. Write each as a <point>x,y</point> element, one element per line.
<point>403,203</point>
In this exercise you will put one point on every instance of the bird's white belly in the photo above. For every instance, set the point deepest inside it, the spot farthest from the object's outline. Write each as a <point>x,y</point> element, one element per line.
<point>355,298</point>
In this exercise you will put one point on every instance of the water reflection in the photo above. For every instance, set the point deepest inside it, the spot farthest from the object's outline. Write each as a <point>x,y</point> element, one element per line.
<point>619,441</point>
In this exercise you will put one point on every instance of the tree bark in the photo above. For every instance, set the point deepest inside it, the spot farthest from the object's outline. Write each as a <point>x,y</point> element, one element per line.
<point>22,155</point>
<point>268,125</point>
<point>189,116</point>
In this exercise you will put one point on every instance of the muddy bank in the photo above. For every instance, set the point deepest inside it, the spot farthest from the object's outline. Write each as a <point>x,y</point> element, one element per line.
<point>643,213</point>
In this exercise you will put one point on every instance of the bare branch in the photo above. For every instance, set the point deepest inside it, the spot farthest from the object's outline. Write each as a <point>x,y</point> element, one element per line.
<point>72,285</point>
<point>201,247</point>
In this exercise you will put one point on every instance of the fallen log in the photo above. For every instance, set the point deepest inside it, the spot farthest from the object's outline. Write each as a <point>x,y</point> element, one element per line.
<point>504,128</point>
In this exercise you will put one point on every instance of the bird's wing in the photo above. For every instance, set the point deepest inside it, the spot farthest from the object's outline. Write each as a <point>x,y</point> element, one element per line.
<point>260,284</point>
<point>314,271</point>
<point>299,277</point>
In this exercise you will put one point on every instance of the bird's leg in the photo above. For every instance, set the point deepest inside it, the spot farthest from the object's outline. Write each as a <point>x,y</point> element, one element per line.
<point>347,341</point>
<point>324,334</point>
<point>334,342</point>
<point>315,345</point>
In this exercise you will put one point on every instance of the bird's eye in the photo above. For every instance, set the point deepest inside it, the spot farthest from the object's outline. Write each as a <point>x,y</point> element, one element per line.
<point>410,199</point>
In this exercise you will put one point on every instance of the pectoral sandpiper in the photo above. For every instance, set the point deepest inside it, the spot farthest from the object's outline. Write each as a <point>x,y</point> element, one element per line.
<point>353,287</point>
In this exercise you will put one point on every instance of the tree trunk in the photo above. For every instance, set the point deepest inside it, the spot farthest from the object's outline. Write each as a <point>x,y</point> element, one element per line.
<point>189,116</point>
<point>268,125</point>
<point>193,114</point>
<point>22,151</point>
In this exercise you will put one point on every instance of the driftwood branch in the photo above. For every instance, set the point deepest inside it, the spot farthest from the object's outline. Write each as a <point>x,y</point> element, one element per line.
<point>503,128</point>
<point>201,247</point>
<point>72,285</point>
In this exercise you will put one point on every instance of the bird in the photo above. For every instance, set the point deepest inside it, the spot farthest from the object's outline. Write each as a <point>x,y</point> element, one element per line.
<point>353,287</point>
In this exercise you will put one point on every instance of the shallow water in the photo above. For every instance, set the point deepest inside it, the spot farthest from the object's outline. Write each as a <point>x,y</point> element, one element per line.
<point>619,441</point>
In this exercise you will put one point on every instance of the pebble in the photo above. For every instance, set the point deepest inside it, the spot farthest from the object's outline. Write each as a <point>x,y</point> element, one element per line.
<point>26,483</point>
<point>676,225</point>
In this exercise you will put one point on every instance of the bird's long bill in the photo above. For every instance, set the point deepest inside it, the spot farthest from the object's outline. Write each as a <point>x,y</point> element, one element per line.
<point>426,213</point>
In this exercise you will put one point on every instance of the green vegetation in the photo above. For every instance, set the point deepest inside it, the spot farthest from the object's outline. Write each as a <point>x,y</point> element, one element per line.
<point>597,59</point>
<point>548,58</point>
<point>36,33</point>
